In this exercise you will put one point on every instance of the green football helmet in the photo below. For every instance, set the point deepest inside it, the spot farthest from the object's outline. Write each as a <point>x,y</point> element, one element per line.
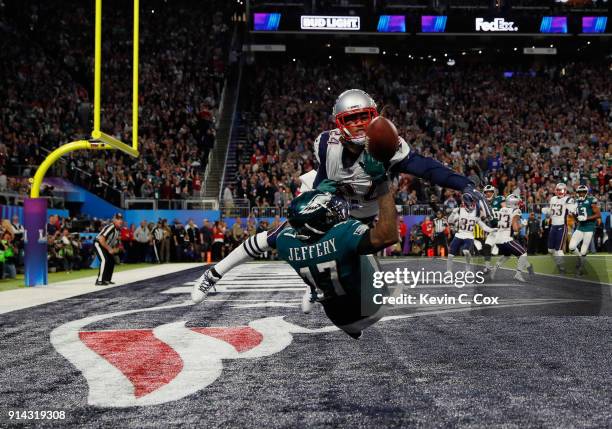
<point>313,213</point>
<point>489,192</point>
<point>582,191</point>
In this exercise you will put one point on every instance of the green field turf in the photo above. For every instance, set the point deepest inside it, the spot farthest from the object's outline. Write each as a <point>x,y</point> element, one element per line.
<point>598,267</point>
<point>8,284</point>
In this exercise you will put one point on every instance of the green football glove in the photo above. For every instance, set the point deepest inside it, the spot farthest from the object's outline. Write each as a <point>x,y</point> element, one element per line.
<point>374,168</point>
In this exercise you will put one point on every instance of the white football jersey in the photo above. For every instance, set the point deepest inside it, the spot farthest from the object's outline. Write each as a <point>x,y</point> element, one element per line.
<point>504,224</point>
<point>560,208</point>
<point>354,176</point>
<point>464,221</point>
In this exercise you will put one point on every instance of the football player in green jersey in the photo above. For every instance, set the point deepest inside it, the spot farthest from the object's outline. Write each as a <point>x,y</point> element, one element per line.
<point>496,202</point>
<point>587,213</point>
<point>325,247</point>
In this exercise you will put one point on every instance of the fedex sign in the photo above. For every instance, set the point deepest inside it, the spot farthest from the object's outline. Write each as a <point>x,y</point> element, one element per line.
<point>498,24</point>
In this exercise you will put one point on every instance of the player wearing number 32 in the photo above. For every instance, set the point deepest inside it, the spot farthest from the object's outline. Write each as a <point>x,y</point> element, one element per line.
<point>464,219</point>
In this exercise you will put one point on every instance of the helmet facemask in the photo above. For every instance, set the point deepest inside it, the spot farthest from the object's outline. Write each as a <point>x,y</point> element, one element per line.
<point>354,123</point>
<point>353,111</point>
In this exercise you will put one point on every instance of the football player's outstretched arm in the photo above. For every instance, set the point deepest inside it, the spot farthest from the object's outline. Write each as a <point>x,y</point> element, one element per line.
<point>516,223</point>
<point>436,173</point>
<point>485,227</point>
<point>385,233</point>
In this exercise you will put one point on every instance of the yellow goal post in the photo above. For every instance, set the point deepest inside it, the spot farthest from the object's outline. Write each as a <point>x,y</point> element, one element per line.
<point>99,139</point>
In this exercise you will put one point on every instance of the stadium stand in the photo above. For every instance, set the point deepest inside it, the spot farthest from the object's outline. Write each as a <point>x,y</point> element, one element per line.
<point>47,93</point>
<point>513,129</point>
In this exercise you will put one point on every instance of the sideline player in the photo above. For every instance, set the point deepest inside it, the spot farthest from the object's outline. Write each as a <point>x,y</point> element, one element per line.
<point>587,213</point>
<point>347,170</point>
<point>560,206</point>
<point>509,219</point>
<point>464,219</point>
<point>497,203</point>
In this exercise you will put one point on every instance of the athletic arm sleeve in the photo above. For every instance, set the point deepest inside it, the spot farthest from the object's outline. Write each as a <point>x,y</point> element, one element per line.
<point>431,170</point>
<point>320,149</point>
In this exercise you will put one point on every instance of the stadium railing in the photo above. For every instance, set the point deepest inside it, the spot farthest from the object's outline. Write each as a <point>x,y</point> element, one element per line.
<point>185,204</point>
<point>16,199</point>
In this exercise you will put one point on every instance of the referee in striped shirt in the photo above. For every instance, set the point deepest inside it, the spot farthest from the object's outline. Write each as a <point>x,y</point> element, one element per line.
<point>440,225</point>
<point>105,247</point>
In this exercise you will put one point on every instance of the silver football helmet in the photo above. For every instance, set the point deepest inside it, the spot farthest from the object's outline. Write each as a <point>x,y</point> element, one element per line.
<point>561,190</point>
<point>513,201</point>
<point>354,110</point>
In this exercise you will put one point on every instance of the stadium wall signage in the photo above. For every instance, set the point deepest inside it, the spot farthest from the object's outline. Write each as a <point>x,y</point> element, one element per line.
<point>431,25</point>
<point>498,24</point>
<point>338,23</point>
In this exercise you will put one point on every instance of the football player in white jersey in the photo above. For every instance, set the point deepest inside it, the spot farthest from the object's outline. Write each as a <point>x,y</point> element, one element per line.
<point>560,206</point>
<point>347,170</point>
<point>509,220</point>
<point>464,219</point>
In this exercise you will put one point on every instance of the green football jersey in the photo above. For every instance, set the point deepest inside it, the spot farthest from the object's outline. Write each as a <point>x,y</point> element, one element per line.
<point>496,205</point>
<point>585,208</point>
<point>330,264</point>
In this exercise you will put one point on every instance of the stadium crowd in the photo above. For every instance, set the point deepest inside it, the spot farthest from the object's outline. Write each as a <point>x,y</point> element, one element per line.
<point>47,92</point>
<point>70,241</point>
<point>522,132</point>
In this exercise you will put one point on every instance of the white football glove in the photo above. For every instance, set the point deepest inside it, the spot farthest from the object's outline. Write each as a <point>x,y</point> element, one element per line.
<point>545,211</point>
<point>582,218</point>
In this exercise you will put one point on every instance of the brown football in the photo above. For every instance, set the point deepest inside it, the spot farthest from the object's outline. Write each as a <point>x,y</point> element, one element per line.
<point>383,140</point>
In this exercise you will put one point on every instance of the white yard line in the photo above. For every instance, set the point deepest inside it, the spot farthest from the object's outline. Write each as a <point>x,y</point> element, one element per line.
<point>18,299</point>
